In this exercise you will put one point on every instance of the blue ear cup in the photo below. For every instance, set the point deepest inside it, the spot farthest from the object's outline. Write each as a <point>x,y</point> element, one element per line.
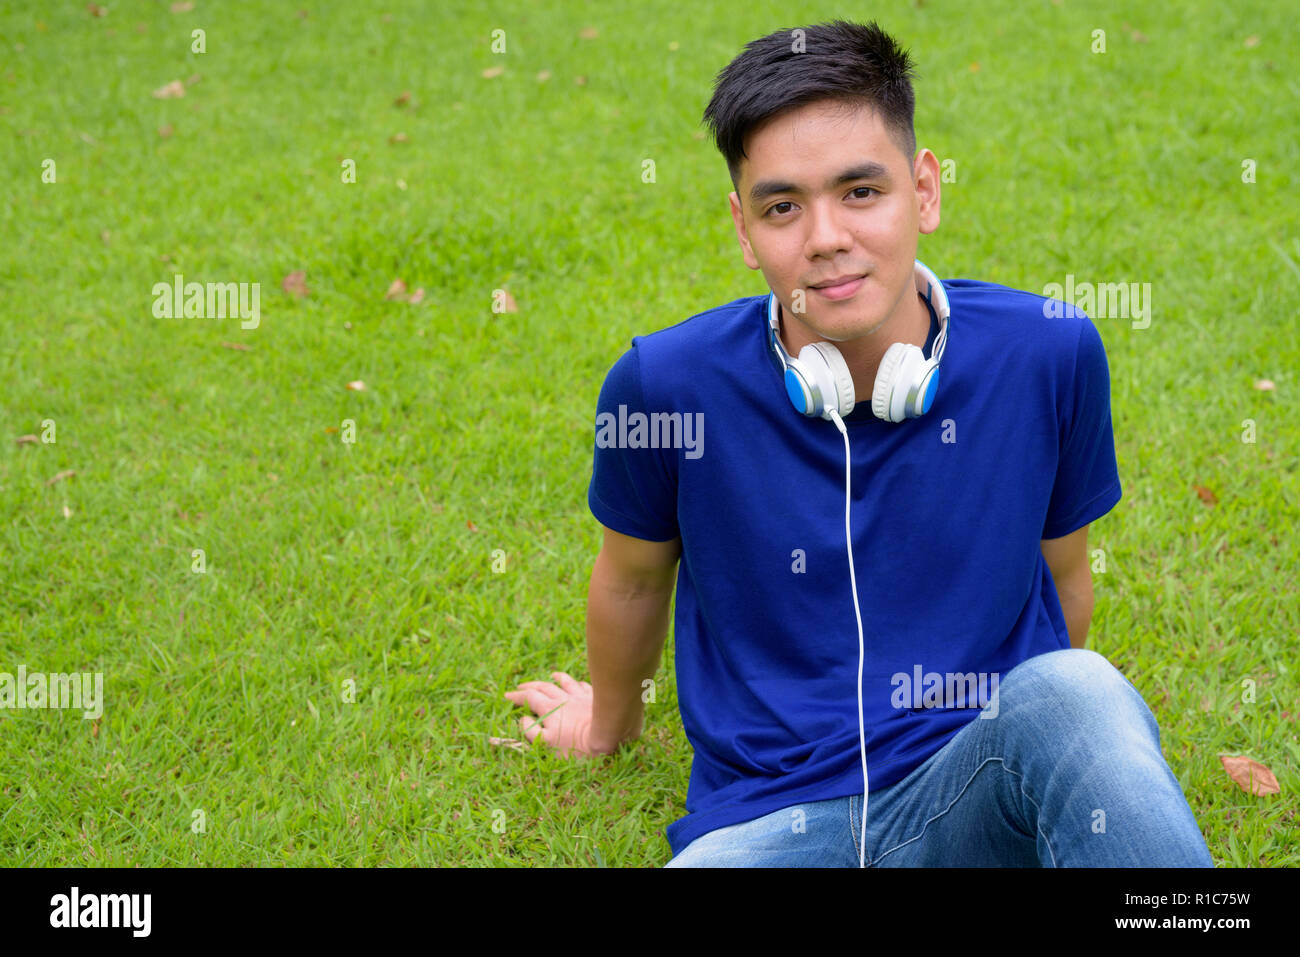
<point>905,383</point>
<point>819,380</point>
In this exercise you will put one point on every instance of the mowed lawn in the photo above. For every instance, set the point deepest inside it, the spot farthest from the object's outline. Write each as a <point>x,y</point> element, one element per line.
<point>307,599</point>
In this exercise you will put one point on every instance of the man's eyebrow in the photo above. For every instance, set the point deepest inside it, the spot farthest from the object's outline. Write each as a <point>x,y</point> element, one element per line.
<point>770,187</point>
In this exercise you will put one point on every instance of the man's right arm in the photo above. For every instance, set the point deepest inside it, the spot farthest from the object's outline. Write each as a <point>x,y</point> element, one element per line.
<point>627,624</point>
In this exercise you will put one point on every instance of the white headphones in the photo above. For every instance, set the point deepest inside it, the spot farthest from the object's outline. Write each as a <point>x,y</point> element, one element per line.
<point>819,380</point>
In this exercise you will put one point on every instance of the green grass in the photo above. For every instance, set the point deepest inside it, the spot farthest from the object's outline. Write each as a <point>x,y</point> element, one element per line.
<point>372,561</point>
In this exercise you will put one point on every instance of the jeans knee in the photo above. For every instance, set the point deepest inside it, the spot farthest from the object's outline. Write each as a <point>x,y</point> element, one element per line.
<point>1080,686</point>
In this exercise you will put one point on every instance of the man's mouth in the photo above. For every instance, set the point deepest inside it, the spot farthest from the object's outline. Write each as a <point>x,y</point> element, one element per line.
<point>840,288</point>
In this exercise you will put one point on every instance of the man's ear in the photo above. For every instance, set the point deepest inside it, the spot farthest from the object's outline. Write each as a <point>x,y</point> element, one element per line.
<point>741,233</point>
<point>925,171</point>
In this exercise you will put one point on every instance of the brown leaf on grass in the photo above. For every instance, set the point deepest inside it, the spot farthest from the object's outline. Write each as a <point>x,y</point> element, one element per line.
<point>471,526</point>
<point>27,440</point>
<point>1250,775</point>
<point>236,345</point>
<point>1206,496</point>
<point>403,99</point>
<point>331,429</point>
<point>66,473</point>
<point>295,283</point>
<point>493,71</point>
<point>417,297</point>
<point>166,130</point>
<point>182,6</point>
<point>1265,385</point>
<point>171,91</point>
<point>356,385</point>
<point>396,291</point>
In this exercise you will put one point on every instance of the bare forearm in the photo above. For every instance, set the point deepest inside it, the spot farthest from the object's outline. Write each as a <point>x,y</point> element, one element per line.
<point>1076,607</point>
<point>625,640</point>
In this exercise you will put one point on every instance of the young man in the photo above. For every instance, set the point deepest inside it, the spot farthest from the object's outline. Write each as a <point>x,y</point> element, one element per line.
<point>932,674</point>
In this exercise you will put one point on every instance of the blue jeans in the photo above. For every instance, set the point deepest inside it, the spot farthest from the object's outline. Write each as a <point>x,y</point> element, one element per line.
<point>1069,774</point>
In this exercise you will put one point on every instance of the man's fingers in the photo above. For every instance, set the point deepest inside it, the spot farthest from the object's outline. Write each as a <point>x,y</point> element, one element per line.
<point>531,728</point>
<point>566,682</point>
<point>537,698</point>
<point>545,688</point>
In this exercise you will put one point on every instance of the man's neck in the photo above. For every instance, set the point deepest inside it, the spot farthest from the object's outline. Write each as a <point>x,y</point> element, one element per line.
<point>863,354</point>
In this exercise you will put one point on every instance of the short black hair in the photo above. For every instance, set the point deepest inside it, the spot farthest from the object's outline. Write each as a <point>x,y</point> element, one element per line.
<point>855,63</point>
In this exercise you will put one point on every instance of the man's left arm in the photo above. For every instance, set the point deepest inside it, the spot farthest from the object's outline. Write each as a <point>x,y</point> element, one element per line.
<point>1067,558</point>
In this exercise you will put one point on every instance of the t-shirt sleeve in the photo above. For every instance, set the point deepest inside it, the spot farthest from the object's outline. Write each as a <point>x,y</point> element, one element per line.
<point>633,490</point>
<point>1087,477</point>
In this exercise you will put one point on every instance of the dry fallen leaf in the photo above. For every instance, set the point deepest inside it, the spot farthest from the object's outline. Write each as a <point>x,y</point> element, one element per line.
<point>171,91</point>
<point>356,386</point>
<point>66,473</point>
<point>295,283</point>
<point>492,71</point>
<point>1265,385</point>
<point>396,291</point>
<point>331,429</point>
<point>236,345</point>
<point>27,440</point>
<point>471,526</point>
<point>1206,496</point>
<point>1250,775</point>
<point>403,99</point>
<point>417,297</point>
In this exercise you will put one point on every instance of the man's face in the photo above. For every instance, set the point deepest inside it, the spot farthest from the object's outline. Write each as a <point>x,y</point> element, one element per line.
<point>836,197</point>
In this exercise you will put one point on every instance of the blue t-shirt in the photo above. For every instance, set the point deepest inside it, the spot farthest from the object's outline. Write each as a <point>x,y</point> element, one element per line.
<point>947,514</point>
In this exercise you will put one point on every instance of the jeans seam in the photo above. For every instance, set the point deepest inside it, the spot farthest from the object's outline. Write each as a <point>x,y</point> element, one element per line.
<point>1002,761</point>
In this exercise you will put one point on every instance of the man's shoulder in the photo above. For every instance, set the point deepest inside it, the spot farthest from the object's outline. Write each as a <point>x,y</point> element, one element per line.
<point>1000,314</point>
<point>710,327</point>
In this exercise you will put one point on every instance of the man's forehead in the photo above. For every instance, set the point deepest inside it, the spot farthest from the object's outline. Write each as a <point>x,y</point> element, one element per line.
<point>869,147</point>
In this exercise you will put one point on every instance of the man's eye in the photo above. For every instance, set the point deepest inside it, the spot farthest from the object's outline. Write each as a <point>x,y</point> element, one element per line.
<point>856,189</point>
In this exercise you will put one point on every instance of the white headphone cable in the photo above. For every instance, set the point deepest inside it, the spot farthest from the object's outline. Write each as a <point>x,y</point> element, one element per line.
<point>853,581</point>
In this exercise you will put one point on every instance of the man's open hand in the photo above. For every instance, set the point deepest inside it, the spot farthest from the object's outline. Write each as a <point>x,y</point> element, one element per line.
<point>564,710</point>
